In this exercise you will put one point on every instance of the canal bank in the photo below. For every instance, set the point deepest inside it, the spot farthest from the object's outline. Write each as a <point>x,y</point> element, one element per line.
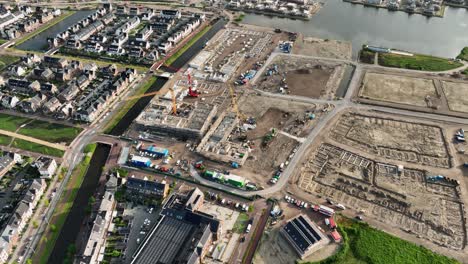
<point>183,59</point>
<point>39,42</point>
<point>443,37</point>
<point>69,232</point>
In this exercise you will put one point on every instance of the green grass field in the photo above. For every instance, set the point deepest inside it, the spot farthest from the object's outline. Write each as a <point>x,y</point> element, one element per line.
<point>187,46</point>
<point>463,54</point>
<point>43,130</point>
<point>417,62</point>
<point>366,245</point>
<point>50,132</point>
<point>128,105</point>
<point>5,140</point>
<point>38,148</point>
<point>11,123</point>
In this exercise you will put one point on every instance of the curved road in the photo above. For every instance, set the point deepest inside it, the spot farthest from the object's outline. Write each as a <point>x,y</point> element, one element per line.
<point>339,106</point>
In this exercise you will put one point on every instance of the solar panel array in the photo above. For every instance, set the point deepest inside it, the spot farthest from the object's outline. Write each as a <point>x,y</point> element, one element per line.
<point>302,233</point>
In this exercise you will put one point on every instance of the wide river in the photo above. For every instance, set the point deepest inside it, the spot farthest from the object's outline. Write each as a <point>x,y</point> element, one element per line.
<point>366,25</point>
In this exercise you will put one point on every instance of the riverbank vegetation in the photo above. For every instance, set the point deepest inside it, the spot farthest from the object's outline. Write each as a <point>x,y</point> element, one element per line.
<point>187,45</point>
<point>37,148</point>
<point>61,211</point>
<point>367,56</point>
<point>463,54</point>
<point>7,60</point>
<point>364,244</point>
<point>417,62</point>
<point>239,18</point>
<point>128,105</point>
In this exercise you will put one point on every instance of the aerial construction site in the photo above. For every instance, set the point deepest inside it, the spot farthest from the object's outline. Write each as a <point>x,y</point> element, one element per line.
<point>254,115</point>
<point>208,140</point>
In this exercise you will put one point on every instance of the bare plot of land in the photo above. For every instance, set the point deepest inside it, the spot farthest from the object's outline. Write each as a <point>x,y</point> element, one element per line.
<point>285,115</point>
<point>265,160</point>
<point>406,198</point>
<point>398,89</point>
<point>393,139</point>
<point>456,94</point>
<point>302,76</point>
<point>309,83</point>
<point>322,48</point>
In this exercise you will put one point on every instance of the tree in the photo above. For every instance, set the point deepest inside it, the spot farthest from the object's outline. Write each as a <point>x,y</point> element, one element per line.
<point>53,228</point>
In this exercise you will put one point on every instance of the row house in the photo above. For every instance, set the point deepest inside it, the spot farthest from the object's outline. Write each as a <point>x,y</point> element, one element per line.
<point>51,106</point>
<point>30,59</point>
<point>9,101</point>
<point>20,217</point>
<point>46,167</point>
<point>45,17</point>
<point>10,18</point>
<point>174,14</point>
<point>23,86</point>
<point>148,14</point>
<point>29,25</point>
<point>161,27</point>
<point>32,104</point>
<point>107,19</point>
<point>128,26</point>
<point>144,34</point>
<point>134,11</point>
<point>88,31</point>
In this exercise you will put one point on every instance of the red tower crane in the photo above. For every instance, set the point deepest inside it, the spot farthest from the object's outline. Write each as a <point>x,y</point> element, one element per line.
<point>191,92</point>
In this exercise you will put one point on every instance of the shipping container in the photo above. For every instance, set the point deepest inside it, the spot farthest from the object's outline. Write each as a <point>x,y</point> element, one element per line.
<point>140,161</point>
<point>152,149</point>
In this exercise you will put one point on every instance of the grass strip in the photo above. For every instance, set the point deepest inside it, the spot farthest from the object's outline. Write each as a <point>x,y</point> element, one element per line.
<point>7,60</point>
<point>51,132</point>
<point>417,62</point>
<point>61,211</point>
<point>128,105</point>
<point>5,140</point>
<point>12,123</point>
<point>38,148</point>
<point>176,55</point>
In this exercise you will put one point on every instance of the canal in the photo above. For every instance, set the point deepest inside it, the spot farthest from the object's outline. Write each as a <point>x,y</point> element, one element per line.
<point>136,109</point>
<point>72,225</point>
<point>39,42</point>
<point>367,25</point>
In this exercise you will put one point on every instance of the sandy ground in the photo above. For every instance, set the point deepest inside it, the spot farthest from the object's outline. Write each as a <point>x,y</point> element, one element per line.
<point>456,94</point>
<point>303,76</point>
<point>322,48</point>
<point>440,227</point>
<point>397,89</point>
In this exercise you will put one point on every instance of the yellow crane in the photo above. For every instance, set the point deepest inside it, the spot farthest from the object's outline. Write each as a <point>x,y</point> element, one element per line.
<point>234,105</point>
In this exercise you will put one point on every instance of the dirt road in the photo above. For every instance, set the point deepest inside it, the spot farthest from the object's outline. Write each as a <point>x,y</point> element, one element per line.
<point>34,140</point>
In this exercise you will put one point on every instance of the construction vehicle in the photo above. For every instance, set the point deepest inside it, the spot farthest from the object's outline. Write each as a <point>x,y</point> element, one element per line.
<point>269,136</point>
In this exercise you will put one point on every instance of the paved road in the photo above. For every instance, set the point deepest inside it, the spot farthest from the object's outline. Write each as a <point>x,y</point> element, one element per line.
<point>339,106</point>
